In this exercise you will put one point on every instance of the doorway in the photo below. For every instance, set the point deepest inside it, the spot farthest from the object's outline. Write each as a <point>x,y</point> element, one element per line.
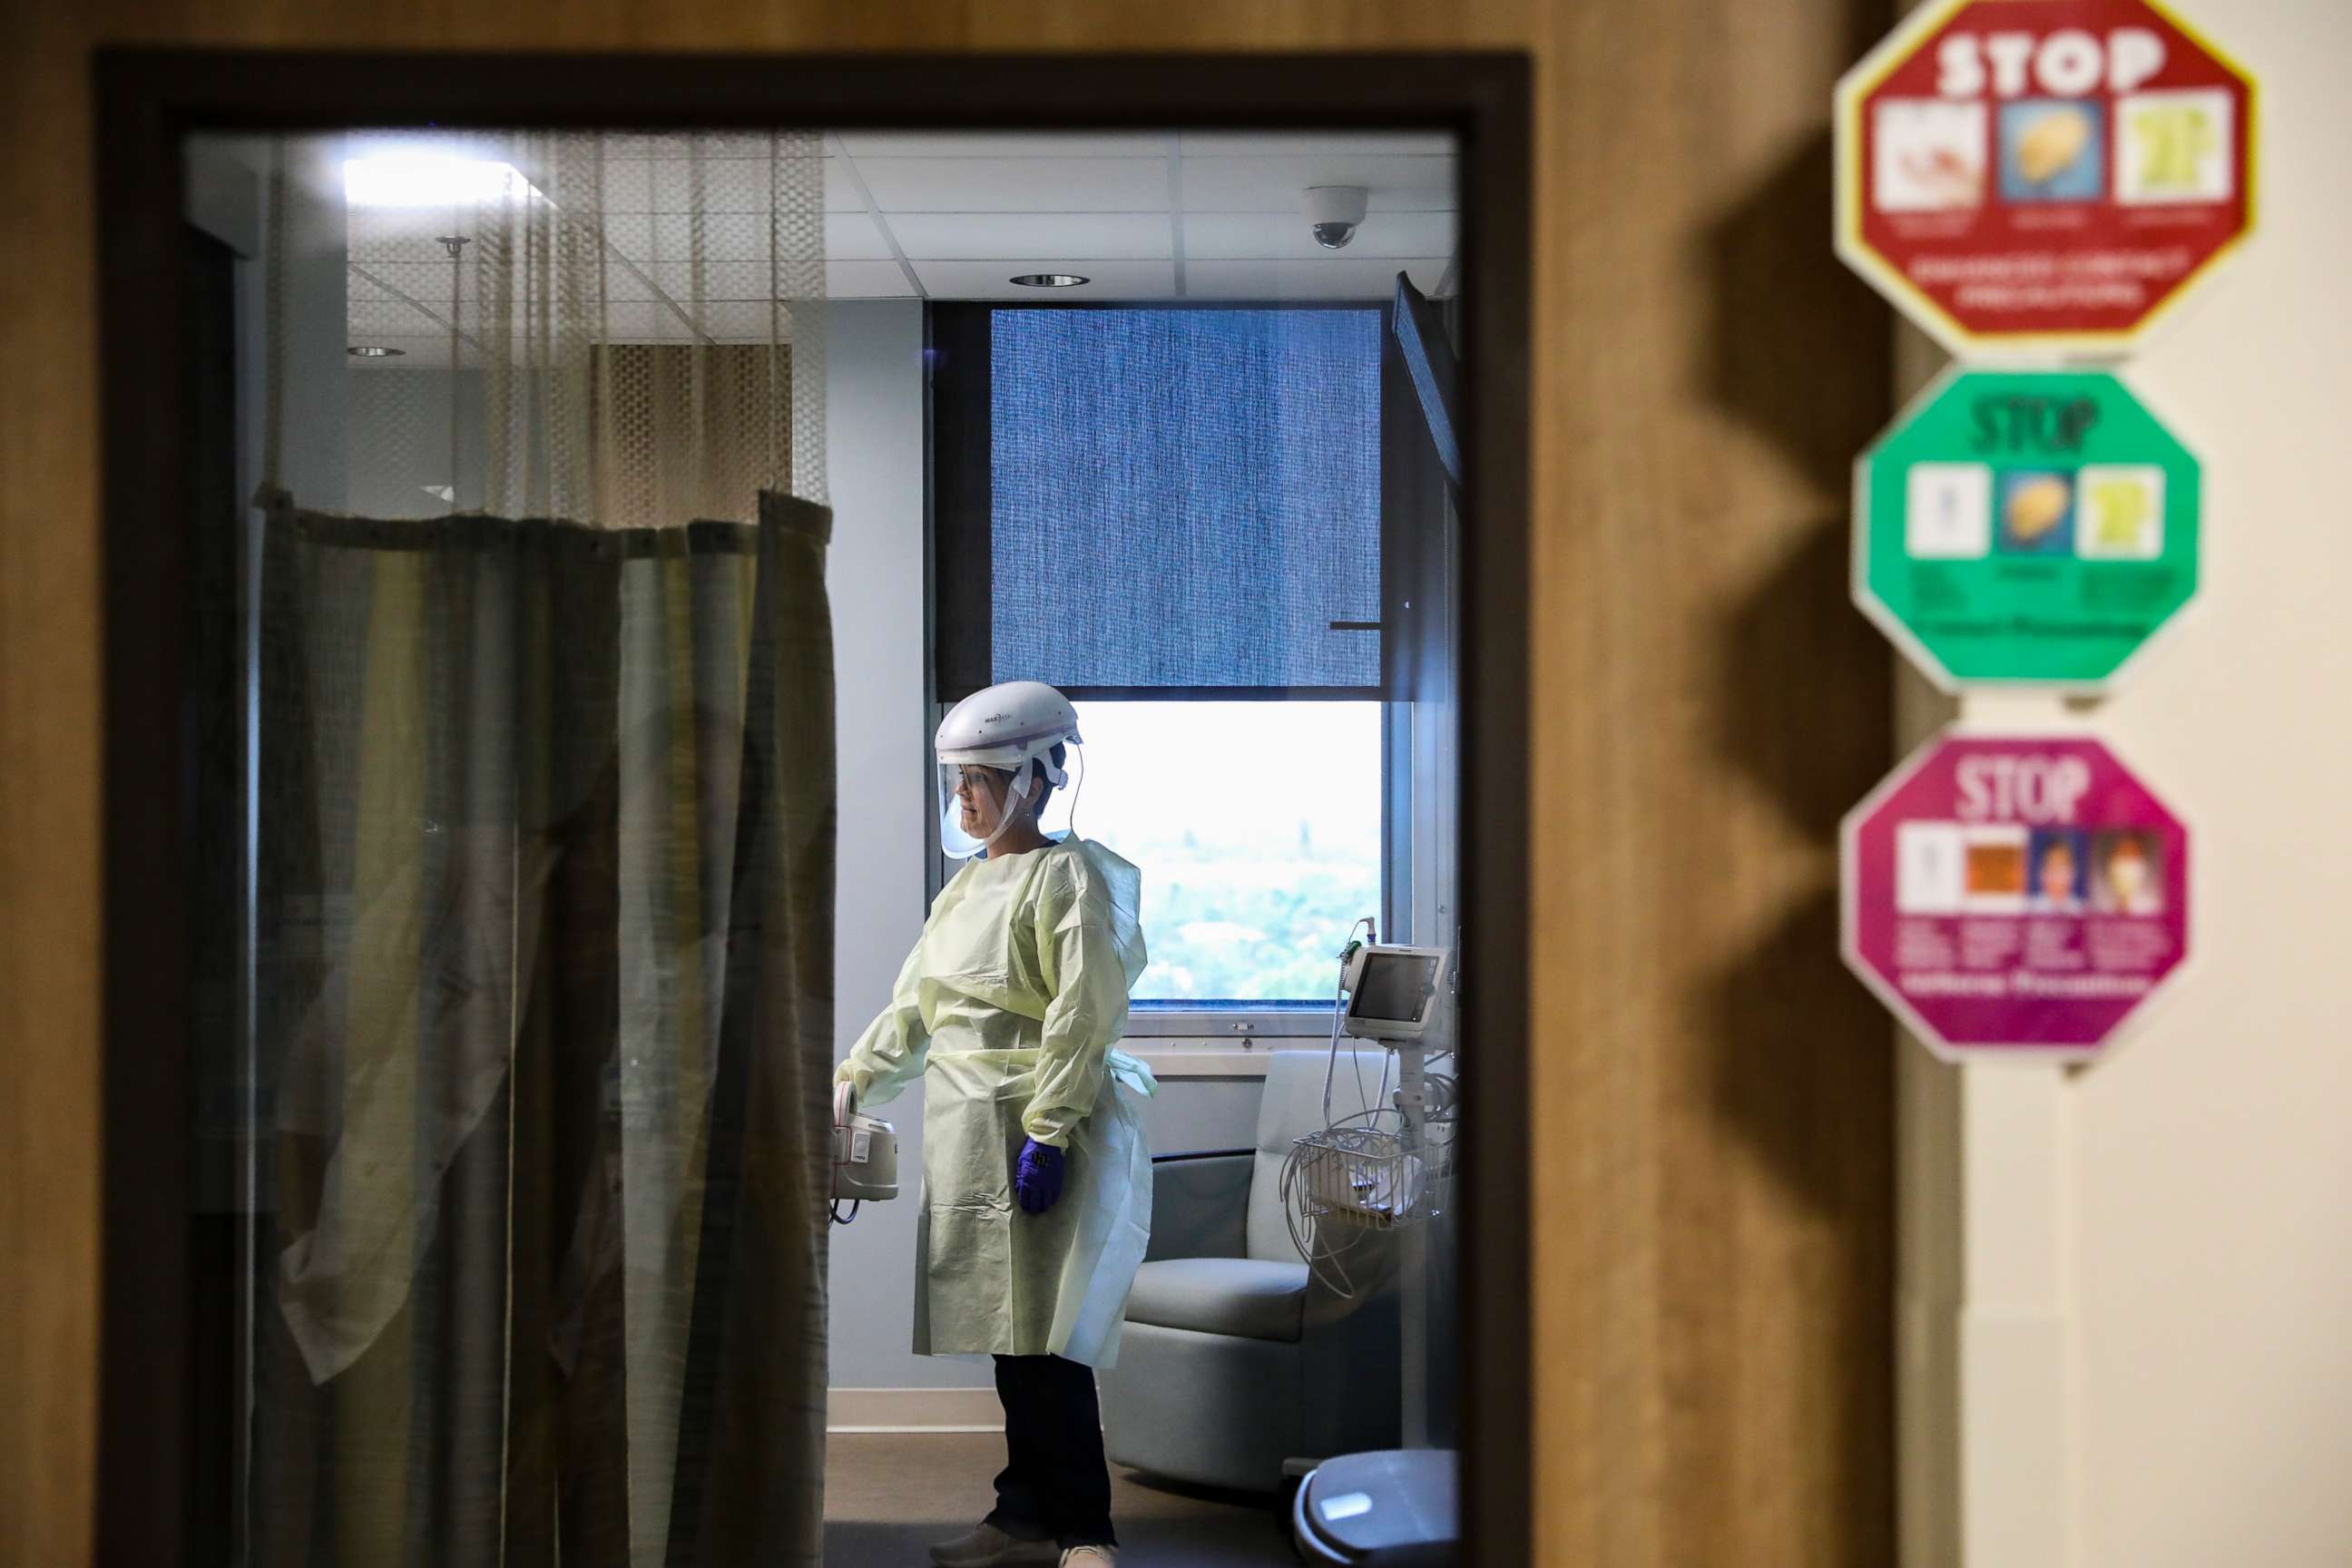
<point>1474,106</point>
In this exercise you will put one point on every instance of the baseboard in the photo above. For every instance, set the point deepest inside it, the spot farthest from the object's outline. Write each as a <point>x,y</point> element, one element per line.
<point>913,1410</point>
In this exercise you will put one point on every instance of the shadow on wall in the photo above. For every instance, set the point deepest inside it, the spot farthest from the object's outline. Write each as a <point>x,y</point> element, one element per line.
<point>1789,313</point>
<point>1804,1058</point>
<point>1792,713</point>
<point>1802,1070</point>
<point>1801,352</point>
<point>1804,1075</point>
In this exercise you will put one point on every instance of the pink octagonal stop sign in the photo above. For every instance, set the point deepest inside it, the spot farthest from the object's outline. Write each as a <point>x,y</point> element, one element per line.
<point>2014,893</point>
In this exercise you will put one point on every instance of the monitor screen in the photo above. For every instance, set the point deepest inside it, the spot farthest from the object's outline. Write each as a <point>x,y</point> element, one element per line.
<point>1395,986</point>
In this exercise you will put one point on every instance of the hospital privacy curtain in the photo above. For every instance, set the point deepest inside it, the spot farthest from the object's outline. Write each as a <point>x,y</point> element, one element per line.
<point>1136,501</point>
<point>543,865</point>
<point>545,995</point>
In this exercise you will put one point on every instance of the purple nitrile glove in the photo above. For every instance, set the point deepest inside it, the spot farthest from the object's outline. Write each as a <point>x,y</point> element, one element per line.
<point>1037,1180</point>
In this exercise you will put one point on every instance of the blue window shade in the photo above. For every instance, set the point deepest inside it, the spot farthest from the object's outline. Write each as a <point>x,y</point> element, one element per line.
<point>1186,498</point>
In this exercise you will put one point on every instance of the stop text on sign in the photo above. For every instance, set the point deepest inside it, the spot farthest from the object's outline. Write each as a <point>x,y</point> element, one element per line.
<point>2019,422</point>
<point>2070,63</point>
<point>2008,788</point>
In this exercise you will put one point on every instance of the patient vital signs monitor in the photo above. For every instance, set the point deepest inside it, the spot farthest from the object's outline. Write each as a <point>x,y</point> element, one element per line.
<point>1392,991</point>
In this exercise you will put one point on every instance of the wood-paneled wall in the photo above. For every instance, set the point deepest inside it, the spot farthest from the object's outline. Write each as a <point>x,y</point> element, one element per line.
<point>1713,1178</point>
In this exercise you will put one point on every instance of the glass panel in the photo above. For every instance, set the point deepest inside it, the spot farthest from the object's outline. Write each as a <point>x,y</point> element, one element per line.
<point>563,763</point>
<point>1257,825</point>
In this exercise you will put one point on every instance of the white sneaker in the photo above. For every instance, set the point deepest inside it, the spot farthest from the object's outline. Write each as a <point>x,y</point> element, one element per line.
<point>989,1547</point>
<point>1087,1556</point>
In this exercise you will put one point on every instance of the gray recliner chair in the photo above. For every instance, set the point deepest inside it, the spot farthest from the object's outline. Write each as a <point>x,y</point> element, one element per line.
<point>1236,1359</point>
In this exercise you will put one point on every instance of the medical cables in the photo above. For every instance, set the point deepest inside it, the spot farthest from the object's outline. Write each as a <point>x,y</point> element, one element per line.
<point>1359,1174</point>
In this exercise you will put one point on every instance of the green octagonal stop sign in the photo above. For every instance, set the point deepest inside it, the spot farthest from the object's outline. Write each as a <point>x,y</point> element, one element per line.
<point>2027,527</point>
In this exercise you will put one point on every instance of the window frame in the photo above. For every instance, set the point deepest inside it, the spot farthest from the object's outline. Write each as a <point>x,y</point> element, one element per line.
<point>957,457</point>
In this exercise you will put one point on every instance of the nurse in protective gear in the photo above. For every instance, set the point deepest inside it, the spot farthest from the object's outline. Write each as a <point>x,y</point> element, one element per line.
<point>1036,1200</point>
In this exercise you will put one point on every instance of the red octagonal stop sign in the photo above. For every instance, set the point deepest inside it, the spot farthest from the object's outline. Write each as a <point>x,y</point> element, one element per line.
<point>2015,894</point>
<point>2047,176</point>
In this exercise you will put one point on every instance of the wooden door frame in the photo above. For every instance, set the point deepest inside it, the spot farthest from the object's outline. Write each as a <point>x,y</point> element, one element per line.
<point>148,100</point>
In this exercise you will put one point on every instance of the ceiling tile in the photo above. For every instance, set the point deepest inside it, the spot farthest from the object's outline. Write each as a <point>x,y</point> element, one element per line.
<point>866,281</point>
<point>1109,279</point>
<point>619,144</point>
<point>1317,143</point>
<point>629,185</point>
<point>744,237</point>
<point>1017,184</point>
<point>745,320</point>
<point>1397,184</point>
<point>429,283</point>
<point>379,228</point>
<point>1269,235</point>
<point>682,280</point>
<point>853,236</point>
<point>733,184</point>
<point>1332,280</point>
<point>631,233</point>
<point>863,144</point>
<point>730,236</point>
<point>645,324</point>
<point>948,236</point>
<point>727,185</point>
<point>380,320</point>
<point>672,236</point>
<point>841,192</point>
<point>362,284</point>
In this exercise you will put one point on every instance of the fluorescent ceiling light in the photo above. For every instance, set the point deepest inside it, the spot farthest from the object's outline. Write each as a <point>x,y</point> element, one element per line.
<point>429,179</point>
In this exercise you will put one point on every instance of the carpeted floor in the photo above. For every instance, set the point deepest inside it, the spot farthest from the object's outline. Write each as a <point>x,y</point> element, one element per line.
<point>888,1498</point>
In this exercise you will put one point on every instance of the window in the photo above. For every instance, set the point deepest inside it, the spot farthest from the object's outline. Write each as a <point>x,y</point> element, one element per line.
<point>1257,827</point>
<point>1176,515</point>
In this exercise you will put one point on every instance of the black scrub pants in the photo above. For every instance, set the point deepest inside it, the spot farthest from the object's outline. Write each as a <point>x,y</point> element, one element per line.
<point>1056,1484</point>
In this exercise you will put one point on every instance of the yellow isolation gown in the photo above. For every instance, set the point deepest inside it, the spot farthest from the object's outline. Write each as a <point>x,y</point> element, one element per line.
<point>1011,1003</point>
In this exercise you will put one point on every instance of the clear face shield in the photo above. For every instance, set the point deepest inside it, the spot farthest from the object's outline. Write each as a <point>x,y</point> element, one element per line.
<point>980,804</point>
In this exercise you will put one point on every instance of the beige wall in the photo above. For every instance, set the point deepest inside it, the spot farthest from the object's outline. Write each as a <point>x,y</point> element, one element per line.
<point>2213,1158</point>
<point>2129,1289</point>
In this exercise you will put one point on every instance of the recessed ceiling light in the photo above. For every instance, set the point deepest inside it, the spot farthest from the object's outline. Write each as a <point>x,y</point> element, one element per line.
<point>373,351</point>
<point>1051,280</point>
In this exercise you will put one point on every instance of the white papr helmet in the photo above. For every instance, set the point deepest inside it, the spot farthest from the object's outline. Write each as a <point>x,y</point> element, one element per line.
<point>1005,727</point>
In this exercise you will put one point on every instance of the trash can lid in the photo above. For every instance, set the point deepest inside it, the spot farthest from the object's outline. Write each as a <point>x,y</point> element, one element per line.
<point>1395,1508</point>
